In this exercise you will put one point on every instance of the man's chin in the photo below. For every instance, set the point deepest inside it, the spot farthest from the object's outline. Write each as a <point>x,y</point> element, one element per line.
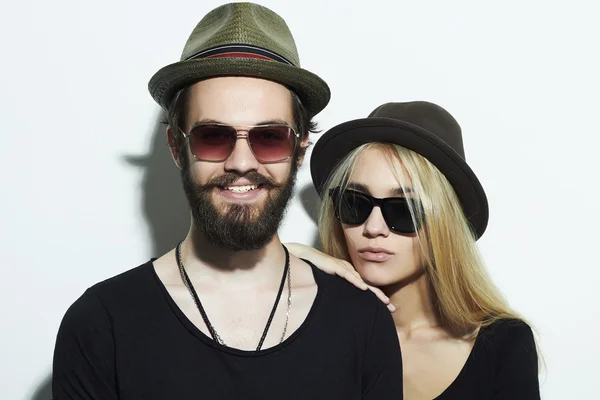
<point>239,212</point>
<point>238,221</point>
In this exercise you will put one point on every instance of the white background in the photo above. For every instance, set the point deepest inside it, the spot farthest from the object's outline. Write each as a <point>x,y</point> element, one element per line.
<point>79,203</point>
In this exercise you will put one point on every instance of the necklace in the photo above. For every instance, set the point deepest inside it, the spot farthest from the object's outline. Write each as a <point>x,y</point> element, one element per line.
<point>286,276</point>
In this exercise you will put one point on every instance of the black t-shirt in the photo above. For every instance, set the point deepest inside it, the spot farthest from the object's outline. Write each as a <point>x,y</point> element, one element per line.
<point>503,365</point>
<point>125,338</point>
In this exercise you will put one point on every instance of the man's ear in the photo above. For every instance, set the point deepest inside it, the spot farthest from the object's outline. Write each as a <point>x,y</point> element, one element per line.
<point>175,151</point>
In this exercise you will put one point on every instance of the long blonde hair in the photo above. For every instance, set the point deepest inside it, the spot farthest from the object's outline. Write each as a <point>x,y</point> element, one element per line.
<point>463,295</point>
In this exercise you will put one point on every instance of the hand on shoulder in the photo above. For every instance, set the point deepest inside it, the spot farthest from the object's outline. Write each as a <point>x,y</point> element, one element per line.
<point>336,266</point>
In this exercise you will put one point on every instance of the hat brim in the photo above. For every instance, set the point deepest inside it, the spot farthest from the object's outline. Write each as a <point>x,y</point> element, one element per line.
<point>336,143</point>
<point>312,90</point>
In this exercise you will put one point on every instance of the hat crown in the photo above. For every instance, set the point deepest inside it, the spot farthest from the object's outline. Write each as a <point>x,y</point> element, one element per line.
<point>242,24</point>
<point>427,116</point>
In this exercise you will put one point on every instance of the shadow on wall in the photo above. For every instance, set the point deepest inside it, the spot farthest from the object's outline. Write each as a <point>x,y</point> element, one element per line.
<point>310,201</point>
<point>164,204</point>
<point>163,200</point>
<point>44,390</point>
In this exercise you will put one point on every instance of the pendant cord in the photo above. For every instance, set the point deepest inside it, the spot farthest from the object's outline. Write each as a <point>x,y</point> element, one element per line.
<point>286,274</point>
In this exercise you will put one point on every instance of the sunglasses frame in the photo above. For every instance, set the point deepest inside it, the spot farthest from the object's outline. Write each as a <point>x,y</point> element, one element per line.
<point>375,202</point>
<point>247,129</point>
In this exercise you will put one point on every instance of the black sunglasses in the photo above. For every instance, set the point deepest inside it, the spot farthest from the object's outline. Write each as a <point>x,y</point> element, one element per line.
<point>353,208</point>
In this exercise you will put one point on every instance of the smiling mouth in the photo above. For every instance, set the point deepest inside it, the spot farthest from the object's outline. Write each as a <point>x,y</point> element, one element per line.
<point>242,189</point>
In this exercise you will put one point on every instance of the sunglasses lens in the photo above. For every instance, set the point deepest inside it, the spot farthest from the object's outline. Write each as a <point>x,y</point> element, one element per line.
<point>272,142</point>
<point>212,142</point>
<point>351,207</point>
<point>397,215</point>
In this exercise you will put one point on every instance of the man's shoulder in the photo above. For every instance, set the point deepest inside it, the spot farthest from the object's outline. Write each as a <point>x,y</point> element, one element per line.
<point>126,281</point>
<point>112,291</point>
<point>344,297</point>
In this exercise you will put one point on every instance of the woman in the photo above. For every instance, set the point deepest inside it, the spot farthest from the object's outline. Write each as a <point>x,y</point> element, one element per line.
<point>401,204</point>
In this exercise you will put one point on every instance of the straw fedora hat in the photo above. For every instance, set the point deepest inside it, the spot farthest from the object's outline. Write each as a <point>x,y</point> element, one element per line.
<point>241,39</point>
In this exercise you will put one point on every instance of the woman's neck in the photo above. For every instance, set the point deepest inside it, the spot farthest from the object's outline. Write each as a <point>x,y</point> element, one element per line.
<point>414,306</point>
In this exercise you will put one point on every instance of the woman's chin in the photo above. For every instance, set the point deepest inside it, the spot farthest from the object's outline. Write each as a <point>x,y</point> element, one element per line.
<point>378,278</point>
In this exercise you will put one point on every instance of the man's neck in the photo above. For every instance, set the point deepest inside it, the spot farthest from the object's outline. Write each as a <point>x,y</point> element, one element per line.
<point>414,308</point>
<point>204,260</point>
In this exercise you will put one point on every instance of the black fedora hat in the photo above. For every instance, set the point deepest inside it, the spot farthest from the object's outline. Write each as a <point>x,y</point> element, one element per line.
<point>420,126</point>
<point>241,39</point>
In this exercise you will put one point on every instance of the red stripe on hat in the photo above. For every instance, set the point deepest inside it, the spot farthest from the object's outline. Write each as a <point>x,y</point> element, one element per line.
<point>240,55</point>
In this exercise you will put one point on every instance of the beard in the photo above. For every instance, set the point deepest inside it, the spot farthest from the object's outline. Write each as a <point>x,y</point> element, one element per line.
<point>234,226</point>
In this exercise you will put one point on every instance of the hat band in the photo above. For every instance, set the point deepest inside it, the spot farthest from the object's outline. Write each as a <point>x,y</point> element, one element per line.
<point>239,51</point>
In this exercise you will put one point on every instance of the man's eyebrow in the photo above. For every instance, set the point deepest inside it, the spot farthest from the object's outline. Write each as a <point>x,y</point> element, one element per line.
<point>207,121</point>
<point>275,121</point>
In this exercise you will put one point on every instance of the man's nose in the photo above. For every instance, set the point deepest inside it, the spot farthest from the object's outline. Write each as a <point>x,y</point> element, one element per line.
<point>241,159</point>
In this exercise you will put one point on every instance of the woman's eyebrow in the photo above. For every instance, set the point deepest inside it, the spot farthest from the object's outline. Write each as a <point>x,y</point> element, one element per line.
<point>402,192</point>
<point>358,186</point>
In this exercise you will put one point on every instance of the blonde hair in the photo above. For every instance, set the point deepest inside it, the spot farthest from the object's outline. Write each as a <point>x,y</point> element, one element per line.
<point>462,292</point>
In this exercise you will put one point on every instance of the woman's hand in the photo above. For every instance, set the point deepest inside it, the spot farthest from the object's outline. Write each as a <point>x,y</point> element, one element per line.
<point>335,266</point>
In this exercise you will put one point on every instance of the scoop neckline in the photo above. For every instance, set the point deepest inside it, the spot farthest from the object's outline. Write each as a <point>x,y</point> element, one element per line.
<point>193,329</point>
<point>463,370</point>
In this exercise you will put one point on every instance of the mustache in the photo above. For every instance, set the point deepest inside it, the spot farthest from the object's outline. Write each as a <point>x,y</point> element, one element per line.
<point>254,177</point>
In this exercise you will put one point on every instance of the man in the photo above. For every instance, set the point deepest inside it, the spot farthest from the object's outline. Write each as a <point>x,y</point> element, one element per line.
<point>229,313</point>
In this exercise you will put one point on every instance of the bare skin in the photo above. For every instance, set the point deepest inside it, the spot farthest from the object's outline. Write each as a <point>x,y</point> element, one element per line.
<point>238,289</point>
<point>238,303</point>
<point>432,357</point>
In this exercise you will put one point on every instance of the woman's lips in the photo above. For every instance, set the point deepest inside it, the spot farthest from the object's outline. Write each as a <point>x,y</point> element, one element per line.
<point>375,254</point>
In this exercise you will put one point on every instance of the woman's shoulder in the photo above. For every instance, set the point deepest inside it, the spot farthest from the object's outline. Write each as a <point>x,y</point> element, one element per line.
<point>508,336</point>
<point>507,329</point>
<point>507,346</point>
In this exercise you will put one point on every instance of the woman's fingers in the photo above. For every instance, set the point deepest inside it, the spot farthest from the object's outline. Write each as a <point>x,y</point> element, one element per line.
<point>381,296</point>
<point>346,271</point>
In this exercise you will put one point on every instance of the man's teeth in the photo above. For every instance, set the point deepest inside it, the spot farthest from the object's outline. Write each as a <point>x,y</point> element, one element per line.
<point>242,189</point>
